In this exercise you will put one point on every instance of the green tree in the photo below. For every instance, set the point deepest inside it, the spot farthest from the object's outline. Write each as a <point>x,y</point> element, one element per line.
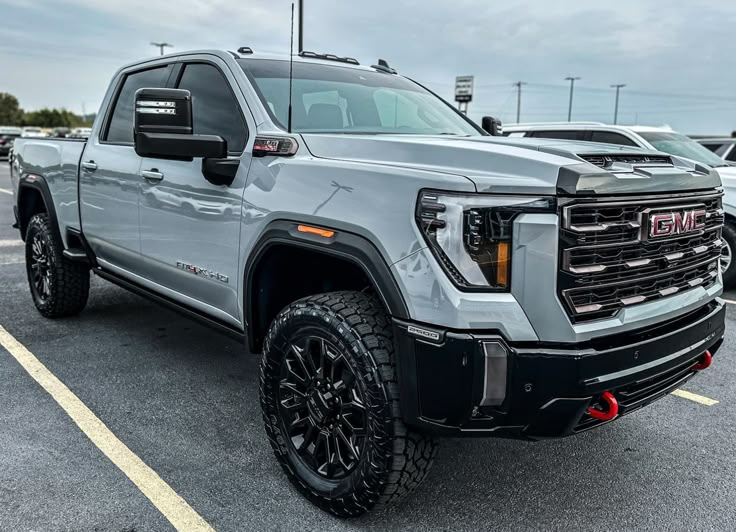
<point>10,112</point>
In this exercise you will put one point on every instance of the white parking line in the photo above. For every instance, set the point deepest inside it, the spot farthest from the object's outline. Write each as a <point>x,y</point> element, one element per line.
<point>695,397</point>
<point>731,301</point>
<point>6,191</point>
<point>9,262</point>
<point>164,498</point>
<point>10,243</point>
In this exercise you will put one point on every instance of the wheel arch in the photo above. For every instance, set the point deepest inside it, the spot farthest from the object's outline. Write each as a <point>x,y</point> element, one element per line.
<point>34,197</point>
<point>345,261</point>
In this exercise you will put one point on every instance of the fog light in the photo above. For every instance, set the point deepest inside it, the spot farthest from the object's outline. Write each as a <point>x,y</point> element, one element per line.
<point>496,364</point>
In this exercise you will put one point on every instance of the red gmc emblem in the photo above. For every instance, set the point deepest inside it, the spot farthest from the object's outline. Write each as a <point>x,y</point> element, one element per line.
<point>676,223</point>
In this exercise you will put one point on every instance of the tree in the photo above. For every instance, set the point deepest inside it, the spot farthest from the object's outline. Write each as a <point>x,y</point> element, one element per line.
<point>10,112</point>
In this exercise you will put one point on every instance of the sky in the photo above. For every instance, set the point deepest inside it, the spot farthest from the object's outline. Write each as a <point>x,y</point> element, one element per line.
<point>675,57</point>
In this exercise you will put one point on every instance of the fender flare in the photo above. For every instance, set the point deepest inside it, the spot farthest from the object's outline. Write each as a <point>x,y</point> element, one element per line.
<point>37,183</point>
<point>343,245</point>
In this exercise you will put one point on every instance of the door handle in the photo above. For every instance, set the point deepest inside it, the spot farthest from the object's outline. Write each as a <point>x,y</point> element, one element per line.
<point>152,175</point>
<point>89,166</point>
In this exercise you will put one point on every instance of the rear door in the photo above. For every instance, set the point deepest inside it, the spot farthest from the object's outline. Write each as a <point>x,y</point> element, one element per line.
<point>190,228</point>
<point>109,176</point>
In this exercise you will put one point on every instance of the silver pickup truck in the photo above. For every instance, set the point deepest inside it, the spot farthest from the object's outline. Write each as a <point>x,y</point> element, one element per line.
<point>405,274</point>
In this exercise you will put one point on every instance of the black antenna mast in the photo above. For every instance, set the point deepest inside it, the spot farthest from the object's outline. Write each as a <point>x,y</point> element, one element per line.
<point>301,26</point>
<point>291,61</point>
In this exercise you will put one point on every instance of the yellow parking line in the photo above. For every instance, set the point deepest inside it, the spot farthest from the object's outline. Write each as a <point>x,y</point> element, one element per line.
<point>695,397</point>
<point>165,499</point>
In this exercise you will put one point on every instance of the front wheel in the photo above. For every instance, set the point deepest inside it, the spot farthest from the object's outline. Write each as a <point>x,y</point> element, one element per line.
<point>330,400</point>
<point>59,287</point>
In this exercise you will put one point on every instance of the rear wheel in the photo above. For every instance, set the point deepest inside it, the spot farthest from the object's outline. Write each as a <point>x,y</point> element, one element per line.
<point>728,268</point>
<point>59,287</point>
<point>330,402</point>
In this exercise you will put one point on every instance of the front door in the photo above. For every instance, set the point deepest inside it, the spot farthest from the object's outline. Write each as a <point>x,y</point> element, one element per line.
<point>190,228</point>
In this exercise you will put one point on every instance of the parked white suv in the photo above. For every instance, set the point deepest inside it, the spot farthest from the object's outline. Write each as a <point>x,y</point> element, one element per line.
<point>663,139</point>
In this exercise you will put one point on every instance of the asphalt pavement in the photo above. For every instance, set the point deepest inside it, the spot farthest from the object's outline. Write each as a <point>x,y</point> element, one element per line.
<point>184,399</point>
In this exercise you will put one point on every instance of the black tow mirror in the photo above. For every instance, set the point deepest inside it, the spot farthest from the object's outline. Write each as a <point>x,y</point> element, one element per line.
<point>163,127</point>
<point>493,126</point>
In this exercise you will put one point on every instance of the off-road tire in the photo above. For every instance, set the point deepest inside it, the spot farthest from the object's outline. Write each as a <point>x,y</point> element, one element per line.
<point>729,235</point>
<point>394,458</point>
<point>68,281</point>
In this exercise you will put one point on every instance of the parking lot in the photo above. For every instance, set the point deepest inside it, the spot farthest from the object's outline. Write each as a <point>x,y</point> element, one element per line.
<point>184,400</point>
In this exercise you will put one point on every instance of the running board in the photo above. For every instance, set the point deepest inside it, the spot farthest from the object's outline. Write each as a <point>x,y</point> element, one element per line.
<point>184,310</point>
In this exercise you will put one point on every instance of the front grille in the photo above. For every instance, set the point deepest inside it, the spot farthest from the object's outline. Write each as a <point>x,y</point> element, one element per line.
<point>609,261</point>
<point>608,160</point>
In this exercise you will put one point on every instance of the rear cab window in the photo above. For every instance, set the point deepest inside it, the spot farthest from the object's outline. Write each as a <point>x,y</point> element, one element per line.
<point>120,126</point>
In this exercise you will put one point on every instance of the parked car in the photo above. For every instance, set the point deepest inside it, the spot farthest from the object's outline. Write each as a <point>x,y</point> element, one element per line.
<point>80,133</point>
<point>33,132</point>
<point>404,274</point>
<point>7,138</point>
<point>723,147</point>
<point>60,132</point>
<point>657,138</point>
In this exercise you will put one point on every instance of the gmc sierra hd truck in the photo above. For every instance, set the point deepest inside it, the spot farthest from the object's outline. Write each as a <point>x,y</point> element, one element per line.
<point>405,274</point>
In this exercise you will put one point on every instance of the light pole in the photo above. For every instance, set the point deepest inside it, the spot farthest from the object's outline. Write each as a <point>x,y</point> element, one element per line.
<point>618,88</point>
<point>518,85</point>
<point>162,45</point>
<point>572,81</point>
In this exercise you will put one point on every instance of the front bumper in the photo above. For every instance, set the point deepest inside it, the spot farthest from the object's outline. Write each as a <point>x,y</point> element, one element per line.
<point>548,387</point>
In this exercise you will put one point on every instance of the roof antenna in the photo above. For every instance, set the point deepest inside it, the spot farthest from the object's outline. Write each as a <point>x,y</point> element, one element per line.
<point>301,26</point>
<point>291,62</point>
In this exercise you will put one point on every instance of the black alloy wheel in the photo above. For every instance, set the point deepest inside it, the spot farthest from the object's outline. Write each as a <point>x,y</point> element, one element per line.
<point>321,407</point>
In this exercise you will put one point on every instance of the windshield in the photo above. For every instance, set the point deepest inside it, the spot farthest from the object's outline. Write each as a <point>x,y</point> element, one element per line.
<point>335,99</point>
<point>682,146</point>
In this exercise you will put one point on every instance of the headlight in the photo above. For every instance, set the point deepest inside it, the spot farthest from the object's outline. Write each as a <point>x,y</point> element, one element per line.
<point>470,234</point>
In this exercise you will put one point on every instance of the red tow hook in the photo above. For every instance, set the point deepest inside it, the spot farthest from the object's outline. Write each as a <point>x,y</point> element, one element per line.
<point>611,411</point>
<point>705,361</point>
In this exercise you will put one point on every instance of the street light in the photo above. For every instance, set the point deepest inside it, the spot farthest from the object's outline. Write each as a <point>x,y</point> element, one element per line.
<point>162,45</point>
<point>572,81</point>
<point>618,88</point>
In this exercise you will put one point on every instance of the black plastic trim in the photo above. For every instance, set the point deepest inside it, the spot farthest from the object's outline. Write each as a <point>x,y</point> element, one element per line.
<point>39,184</point>
<point>548,386</point>
<point>345,245</point>
<point>585,179</point>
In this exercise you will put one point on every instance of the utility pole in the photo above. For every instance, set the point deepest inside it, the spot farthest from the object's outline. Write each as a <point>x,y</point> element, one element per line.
<point>572,81</point>
<point>161,46</point>
<point>618,88</point>
<point>518,85</point>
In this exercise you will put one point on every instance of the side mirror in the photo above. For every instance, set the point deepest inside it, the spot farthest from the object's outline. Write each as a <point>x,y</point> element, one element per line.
<point>163,127</point>
<point>492,126</point>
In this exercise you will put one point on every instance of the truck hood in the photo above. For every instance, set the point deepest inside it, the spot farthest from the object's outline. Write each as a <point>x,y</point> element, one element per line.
<point>514,165</point>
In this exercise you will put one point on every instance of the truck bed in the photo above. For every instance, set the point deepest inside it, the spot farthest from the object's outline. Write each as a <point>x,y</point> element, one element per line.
<point>57,161</point>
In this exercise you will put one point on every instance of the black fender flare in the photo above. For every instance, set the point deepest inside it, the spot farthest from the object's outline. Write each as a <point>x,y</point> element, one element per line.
<point>37,183</point>
<point>344,245</point>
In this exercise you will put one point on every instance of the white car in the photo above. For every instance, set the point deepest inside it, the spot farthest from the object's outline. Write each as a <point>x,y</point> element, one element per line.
<point>33,132</point>
<point>663,139</point>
